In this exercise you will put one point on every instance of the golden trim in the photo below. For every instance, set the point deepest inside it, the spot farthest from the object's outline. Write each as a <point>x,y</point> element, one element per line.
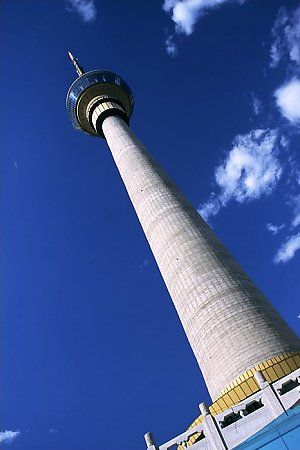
<point>287,362</point>
<point>245,385</point>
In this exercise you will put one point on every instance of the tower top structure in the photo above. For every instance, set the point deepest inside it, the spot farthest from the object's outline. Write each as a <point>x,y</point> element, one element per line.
<point>78,68</point>
<point>97,90</point>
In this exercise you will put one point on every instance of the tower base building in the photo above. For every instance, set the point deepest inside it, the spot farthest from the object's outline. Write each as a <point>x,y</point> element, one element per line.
<point>266,420</point>
<point>248,355</point>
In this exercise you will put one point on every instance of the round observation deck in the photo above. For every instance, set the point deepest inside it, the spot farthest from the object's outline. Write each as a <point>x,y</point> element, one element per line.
<point>92,85</point>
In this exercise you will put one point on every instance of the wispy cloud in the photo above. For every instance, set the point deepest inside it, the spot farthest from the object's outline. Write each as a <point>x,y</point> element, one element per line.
<point>274,229</point>
<point>85,8</point>
<point>251,169</point>
<point>286,46</point>
<point>288,100</point>
<point>186,13</point>
<point>6,437</point>
<point>286,37</point>
<point>288,249</point>
<point>295,202</point>
<point>256,105</point>
<point>170,45</point>
<point>279,41</point>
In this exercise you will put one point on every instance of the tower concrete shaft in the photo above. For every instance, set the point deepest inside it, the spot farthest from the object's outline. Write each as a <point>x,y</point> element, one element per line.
<point>233,330</point>
<point>229,323</point>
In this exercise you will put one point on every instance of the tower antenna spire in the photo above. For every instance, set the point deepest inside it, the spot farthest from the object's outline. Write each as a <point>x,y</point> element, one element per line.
<point>78,68</point>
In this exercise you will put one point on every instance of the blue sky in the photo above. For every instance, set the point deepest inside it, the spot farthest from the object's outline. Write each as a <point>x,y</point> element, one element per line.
<point>94,355</point>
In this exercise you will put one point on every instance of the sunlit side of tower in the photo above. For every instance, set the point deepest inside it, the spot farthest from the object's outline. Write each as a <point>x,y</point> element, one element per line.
<point>237,337</point>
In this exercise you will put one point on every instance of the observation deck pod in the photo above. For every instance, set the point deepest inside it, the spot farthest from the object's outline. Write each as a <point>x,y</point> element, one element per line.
<point>91,86</point>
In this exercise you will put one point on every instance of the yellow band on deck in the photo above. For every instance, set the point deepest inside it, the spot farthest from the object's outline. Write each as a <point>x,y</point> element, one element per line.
<point>245,385</point>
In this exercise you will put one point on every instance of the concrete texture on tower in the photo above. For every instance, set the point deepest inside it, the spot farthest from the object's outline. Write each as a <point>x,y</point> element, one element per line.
<point>229,323</point>
<point>249,357</point>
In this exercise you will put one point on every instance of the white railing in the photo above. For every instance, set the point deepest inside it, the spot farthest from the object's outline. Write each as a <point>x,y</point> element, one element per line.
<point>235,425</point>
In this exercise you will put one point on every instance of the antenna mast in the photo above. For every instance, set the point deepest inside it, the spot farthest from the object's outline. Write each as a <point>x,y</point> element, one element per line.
<point>78,68</point>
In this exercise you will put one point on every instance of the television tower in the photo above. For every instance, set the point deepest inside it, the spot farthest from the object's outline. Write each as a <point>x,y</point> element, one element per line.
<point>233,330</point>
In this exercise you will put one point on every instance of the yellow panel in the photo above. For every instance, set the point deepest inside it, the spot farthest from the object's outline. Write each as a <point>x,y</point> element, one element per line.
<point>233,395</point>
<point>228,400</point>
<point>272,374</point>
<point>253,385</point>
<point>267,363</point>
<point>292,364</point>
<point>198,420</point>
<point>240,393</point>
<point>246,389</point>
<point>212,408</point>
<point>222,404</point>
<point>297,360</point>
<point>215,409</point>
<point>267,376</point>
<point>278,370</point>
<point>285,367</point>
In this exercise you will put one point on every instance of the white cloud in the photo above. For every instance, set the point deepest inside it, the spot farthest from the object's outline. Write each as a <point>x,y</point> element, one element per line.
<point>210,208</point>
<point>284,141</point>
<point>185,13</point>
<point>279,43</point>
<point>293,36</point>
<point>250,170</point>
<point>295,201</point>
<point>7,436</point>
<point>171,46</point>
<point>85,8</point>
<point>256,105</point>
<point>288,249</point>
<point>274,229</point>
<point>286,34</point>
<point>288,100</point>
